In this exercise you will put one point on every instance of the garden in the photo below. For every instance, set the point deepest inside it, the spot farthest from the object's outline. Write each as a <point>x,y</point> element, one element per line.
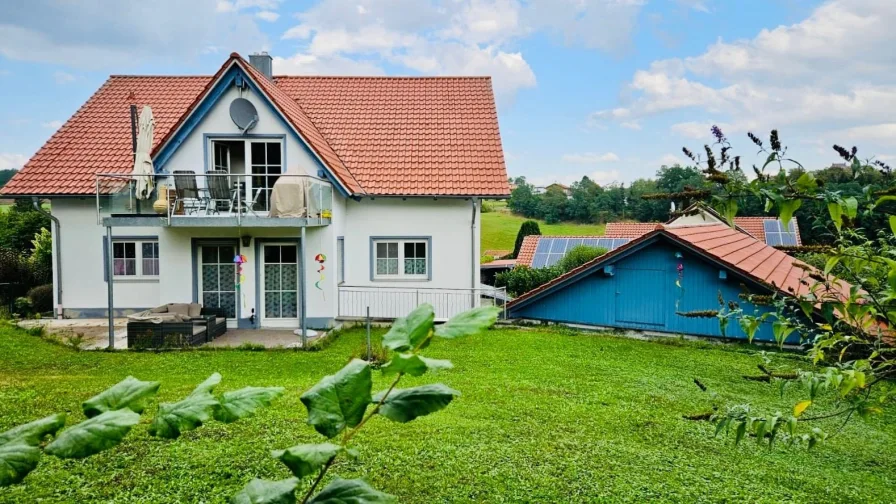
<point>544,415</point>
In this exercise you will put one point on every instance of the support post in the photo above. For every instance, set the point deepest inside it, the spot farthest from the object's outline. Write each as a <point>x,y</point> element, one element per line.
<point>110,273</point>
<point>303,261</point>
<point>368,334</point>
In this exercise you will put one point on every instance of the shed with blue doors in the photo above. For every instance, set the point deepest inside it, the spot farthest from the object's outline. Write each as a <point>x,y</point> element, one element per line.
<point>647,285</point>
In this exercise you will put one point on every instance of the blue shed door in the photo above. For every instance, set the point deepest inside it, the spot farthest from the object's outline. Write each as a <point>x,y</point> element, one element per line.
<point>641,298</point>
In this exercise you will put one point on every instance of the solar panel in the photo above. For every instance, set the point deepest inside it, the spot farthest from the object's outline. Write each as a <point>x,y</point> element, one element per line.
<point>776,234</point>
<point>559,245</point>
<point>591,242</point>
<point>618,242</point>
<point>573,242</point>
<point>544,245</point>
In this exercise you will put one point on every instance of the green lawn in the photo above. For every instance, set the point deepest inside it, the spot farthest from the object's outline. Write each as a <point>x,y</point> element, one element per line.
<point>499,229</point>
<point>545,416</point>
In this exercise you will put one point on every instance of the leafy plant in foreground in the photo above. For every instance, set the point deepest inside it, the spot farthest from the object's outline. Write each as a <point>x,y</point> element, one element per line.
<point>341,404</point>
<point>110,416</point>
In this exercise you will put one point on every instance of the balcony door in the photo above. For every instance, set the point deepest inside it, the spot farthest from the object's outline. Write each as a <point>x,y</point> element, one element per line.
<point>254,163</point>
<point>266,160</point>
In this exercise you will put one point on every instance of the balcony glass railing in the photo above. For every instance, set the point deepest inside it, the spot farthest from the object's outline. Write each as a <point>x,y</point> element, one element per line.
<point>236,196</point>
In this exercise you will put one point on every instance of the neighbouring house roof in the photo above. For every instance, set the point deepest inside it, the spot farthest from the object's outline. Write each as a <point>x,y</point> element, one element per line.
<point>738,251</point>
<point>499,264</point>
<point>497,254</point>
<point>754,226</point>
<point>528,258</point>
<point>527,250</point>
<point>402,136</point>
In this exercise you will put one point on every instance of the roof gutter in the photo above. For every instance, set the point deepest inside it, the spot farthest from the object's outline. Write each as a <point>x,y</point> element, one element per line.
<point>58,236</point>
<point>474,275</point>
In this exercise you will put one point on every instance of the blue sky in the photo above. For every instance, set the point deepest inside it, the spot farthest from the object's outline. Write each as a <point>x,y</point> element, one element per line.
<point>607,88</point>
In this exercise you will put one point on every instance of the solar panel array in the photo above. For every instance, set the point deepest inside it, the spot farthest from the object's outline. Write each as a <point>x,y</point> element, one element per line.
<point>550,250</point>
<point>775,234</point>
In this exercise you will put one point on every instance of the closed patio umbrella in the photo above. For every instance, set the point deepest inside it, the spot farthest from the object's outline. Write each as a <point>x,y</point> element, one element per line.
<point>143,170</point>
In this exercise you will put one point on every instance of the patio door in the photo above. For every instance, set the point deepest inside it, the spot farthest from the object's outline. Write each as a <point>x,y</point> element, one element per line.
<point>279,285</point>
<point>266,160</point>
<point>217,278</point>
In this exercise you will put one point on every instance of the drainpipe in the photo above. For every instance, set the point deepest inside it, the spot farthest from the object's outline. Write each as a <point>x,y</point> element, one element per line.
<point>58,235</point>
<point>474,277</point>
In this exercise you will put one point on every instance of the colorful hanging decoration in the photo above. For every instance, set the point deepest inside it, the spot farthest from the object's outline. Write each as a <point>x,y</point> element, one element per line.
<point>321,259</point>
<point>680,269</point>
<point>239,260</point>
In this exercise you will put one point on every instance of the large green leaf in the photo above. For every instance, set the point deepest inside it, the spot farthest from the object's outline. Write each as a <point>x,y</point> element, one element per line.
<point>128,393</point>
<point>787,209</point>
<point>17,459</point>
<point>339,400</point>
<point>173,419</point>
<point>836,211</point>
<point>208,386</point>
<point>408,332</point>
<point>260,491</point>
<point>851,206</point>
<point>305,459</point>
<point>469,322</point>
<point>404,405</point>
<point>414,365</point>
<point>33,433</point>
<point>243,402</point>
<point>355,491</point>
<point>893,224</point>
<point>93,435</point>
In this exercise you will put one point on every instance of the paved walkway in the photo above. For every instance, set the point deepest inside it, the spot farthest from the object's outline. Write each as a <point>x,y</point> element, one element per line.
<point>269,338</point>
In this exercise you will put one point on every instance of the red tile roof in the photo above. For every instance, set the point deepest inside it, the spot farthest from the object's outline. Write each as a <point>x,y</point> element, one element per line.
<point>741,252</point>
<point>527,250</point>
<point>378,135</point>
<point>629,229</point>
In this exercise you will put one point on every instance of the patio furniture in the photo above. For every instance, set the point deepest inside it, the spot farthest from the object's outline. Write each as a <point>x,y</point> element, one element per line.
<point>289,197</point>
<point>175,325</point>
<point>188,194</point>
<point>219,195</point>
<point>239,202</point>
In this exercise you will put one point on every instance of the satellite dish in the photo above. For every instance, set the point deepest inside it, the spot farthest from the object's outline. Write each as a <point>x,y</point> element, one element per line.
<point>243,114</point>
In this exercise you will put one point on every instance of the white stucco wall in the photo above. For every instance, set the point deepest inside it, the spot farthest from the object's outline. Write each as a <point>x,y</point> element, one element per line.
<point>83,284</point>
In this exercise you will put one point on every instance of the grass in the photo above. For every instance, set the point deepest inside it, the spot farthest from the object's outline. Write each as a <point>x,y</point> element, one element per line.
<point>545,416</point>
<point>499,228</point>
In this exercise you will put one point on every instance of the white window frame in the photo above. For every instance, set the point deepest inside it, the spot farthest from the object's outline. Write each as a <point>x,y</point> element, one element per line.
<point>246,176</point>
<point>138,252</point>
<point>401,275</point>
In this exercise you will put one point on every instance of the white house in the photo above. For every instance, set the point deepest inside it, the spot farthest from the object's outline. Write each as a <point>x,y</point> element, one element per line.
<point>381,179</point>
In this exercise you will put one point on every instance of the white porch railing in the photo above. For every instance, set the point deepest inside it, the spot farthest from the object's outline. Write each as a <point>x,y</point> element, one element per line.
<point>394,302</point>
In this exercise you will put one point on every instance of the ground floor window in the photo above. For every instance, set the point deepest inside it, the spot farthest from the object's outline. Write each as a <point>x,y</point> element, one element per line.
<point>218,278</point>
<point>135,258</point>
<point>401,258</point>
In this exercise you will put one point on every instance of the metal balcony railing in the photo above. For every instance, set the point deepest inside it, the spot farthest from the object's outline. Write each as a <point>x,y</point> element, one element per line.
<point>395,302</point>
<point>239,197</point>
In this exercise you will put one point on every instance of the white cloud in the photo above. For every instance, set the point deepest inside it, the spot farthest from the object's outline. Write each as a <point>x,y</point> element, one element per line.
<point>431,37</point>
<point>12,161</point>
<point>601,177</point>
<point>94,35</point>
<point>63,77</point>
<point>824,73</point>
<point>591,157</point>
<point>53,125</point>
<point>670,159</point>
<point>632,125</point>
<point>308,64</point>
<point>266,15</point>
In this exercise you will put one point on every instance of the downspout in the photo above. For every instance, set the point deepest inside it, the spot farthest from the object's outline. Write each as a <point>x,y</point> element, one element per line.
<point>474,277</point>
<point>58,235</point>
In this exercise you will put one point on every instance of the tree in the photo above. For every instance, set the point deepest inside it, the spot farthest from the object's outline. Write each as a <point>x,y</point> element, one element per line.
<point>5,175</point>
<point>844,313</point>
<point>523,200</point>
<point>19,224</point>
<point>529,227</point>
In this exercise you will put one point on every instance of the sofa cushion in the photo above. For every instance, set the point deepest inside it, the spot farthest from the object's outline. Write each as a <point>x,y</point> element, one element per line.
<point>195,309</point>
<point>179,308</point>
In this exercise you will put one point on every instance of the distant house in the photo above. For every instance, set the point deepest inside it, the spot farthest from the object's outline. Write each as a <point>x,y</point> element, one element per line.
<point>559,187</point>
<point>653,280</point>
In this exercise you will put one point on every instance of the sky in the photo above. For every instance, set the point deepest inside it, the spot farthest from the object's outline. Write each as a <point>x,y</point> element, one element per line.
<point>611,89</point>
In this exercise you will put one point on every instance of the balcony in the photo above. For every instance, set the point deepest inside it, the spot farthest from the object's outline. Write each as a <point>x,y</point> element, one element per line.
<point>186,199</point>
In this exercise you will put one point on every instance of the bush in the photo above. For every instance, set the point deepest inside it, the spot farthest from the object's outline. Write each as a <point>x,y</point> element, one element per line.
<point>529,227</point>
<point>19,274</point>
<point>23,306</point>
<point>42,249</point>
<point>486,259</point>
<point>19,225</point>
<point>42,298</point>
<point>522,279</point>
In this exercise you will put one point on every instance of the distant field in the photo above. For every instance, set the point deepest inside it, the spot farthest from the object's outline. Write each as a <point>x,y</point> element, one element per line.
<point>499,228</point>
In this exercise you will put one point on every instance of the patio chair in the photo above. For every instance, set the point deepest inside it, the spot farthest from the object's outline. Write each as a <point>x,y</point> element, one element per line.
<point>239,202</point>
<point>220,197</point>
<point>187,193</point>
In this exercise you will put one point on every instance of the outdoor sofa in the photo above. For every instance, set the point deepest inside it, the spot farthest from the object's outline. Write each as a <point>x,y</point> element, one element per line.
<point>175,325</point>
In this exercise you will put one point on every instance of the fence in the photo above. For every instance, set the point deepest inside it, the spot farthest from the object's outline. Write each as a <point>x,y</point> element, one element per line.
<point>394,302</point>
